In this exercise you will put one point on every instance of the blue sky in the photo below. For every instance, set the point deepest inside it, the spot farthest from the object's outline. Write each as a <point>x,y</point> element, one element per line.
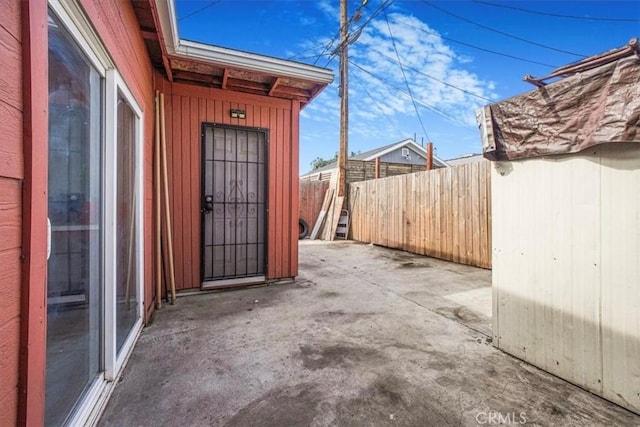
<point>443,47</point>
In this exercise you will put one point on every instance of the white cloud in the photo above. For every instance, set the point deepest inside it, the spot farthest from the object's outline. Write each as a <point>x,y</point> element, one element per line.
<point>329,8</point>
<point>432,69</point>
<point>380,109</point>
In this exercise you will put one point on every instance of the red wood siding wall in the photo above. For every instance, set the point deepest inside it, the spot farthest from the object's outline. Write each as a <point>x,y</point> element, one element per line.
<point>21,224</point>
<point>11,175</point>
<point>186,108</point>
<point>116,23</point>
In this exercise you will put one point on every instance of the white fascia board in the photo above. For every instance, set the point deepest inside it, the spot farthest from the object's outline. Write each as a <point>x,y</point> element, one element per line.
<point>168,24</point>
<point>437,159</point>
<point>230,57</point>
<point>254,62</point>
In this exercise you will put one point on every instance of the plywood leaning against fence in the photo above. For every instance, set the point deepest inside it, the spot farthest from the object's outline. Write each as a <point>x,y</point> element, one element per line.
<point>444,213</point>
<point>312,195</point>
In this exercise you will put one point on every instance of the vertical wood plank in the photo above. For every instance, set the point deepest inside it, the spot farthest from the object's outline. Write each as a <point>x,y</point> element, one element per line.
<point>456,213</point>
<point>444,213</point>
<point>184,227</point>
<point>287,203</point>
<point>199,115</point>
<point>293,179</point>
<point>33,310</point>
<point>275,196</point>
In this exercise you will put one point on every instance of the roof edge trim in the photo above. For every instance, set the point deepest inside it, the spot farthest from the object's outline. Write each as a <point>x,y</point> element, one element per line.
<point>251,61</point>
<point>231,57</point>
<point>414,147</point>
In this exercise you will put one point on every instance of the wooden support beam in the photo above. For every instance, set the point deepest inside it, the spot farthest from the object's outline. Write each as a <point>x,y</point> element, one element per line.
<point>344,102</point>
<point>225,78</point>
<point>33,298</point>
<point>291,91</point>
<point>196,77</point>
<point>377,167</point>
<point>274,85</point>
<point>163,46</point>
<point>429,155</point>
<point>149,35</point>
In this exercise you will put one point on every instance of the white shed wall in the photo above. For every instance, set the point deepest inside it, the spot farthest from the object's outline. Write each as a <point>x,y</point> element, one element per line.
<point>566,267</point>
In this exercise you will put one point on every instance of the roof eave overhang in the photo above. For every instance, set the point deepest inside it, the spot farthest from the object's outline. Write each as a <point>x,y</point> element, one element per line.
<point>230,58</point>
<point>252,62</point>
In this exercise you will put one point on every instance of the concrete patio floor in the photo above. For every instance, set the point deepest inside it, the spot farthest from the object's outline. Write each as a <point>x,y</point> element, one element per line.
<point>364,336</point>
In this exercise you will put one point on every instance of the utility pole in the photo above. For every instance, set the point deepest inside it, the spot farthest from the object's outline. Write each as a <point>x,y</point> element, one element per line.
<point>344,100</point>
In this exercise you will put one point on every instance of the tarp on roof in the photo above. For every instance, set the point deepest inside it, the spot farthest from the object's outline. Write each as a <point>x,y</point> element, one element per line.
<point>597,106</point>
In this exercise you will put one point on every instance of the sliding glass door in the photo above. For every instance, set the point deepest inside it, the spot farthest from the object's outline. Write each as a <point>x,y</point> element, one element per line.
<point>74,279</point>
<point>95,274</point>
<point>126,283</point>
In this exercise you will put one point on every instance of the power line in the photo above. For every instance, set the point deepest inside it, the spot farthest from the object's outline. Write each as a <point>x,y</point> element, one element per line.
<point>358,31</point>
<point>375,102</point>
<point>433,78</point>
<point>424,104</point>
<point>199,10</point>
<point>474,46</point>
<point>557,15</point>
<point>501,32</point>
<point>327,49</point>
<point>335,38</point>
<point>404,76</point>
<point>298,56</point>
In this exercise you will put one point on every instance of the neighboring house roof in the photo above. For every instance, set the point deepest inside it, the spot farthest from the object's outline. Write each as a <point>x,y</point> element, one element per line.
<point>214,66</point>
<point>409,143</point>
<point>381,151</point>
<point>463,160</point>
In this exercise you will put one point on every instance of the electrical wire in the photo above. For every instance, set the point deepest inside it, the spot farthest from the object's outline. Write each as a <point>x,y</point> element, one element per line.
<point>473,46</point>
<point>335,38</point>
<point>431,77</point>
<point>424,104</point>
<point>328,48</point>
<point>404,76</point>
<point>199,10</point>
<point>375,102</point>
<point>557,15</point>
<point>383,5</point>
<point>298,56</point>
<point>501,32</point>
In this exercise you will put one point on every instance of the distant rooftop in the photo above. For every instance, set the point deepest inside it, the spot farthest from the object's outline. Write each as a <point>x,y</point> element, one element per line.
<point>380,151</point>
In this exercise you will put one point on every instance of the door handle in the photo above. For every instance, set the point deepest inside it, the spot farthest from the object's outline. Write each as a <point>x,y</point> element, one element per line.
<point>208,204</point>
<point>48,238</point>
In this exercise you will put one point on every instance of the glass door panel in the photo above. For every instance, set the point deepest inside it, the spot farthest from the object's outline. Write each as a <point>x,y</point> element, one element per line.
<point>74,284</point>
<point>127,298</point>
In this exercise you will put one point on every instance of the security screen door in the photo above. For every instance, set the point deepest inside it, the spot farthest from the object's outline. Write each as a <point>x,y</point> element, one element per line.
<point>233,202</point>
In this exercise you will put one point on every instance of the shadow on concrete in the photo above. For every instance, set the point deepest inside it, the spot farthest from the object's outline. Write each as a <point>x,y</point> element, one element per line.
<point>358,339</point>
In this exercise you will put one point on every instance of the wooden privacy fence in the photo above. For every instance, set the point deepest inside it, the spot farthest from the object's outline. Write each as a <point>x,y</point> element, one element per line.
<point>444,213</point>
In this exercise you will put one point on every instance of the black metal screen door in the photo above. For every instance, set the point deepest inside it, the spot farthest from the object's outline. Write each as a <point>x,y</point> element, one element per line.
<point>233,202</point>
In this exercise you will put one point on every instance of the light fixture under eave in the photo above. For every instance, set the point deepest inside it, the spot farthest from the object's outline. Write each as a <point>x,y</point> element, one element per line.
<point>238,114</point>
